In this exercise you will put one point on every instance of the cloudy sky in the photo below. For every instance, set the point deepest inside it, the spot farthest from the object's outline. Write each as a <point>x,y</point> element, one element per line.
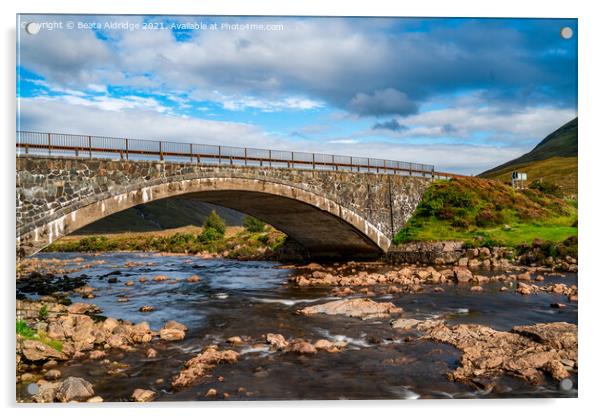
<point>462,94</point>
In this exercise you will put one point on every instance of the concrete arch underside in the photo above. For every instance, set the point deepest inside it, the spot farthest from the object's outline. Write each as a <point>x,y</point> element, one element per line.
<point>322,226</point>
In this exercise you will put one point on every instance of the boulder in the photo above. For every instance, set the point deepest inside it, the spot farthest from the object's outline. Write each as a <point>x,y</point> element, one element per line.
<point>175,325</point>
<point>193,279</point>
<point>46,392</point>
<point>146,308</point>
<point>302,347</point>
<point>462,274</point>
<point>53,374</point>
<point>74,388</point>
<point>172,334</point>
<point>324,344</point>
<point>151,353</point>
<point>81,308</point>
<point>97,354</point>
<point>141,395</point>
<point>35,351</point>
<point>276,340</point>
<point>405,324</point>
<point>235,340</point>
<point>525,277</point>
<point>360,308</point>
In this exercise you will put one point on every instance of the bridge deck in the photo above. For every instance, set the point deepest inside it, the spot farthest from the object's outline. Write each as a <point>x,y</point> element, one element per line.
<point>47,144</point>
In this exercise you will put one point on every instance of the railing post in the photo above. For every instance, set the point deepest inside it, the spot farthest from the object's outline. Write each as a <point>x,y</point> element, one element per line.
<point>313,161</point>
<point>270,157</point>
<point>26,148</point>
<point>49,145</point>
<point>245,156</point>
<point>219,155</point>
<point>90,146</point>
<point>190,152</point>
<point>368,165</point>
<point>160,150</point>
<point>127,149</point>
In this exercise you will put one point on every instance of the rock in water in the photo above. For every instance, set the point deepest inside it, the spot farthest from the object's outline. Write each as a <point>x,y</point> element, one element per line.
<point>141,395</point>
<point>302,347</point>
<point>80,308</point>
<point>201,364</point>
<point>277,341</point>
<point>74,388</point>
<point>405,324</point>
<point>358,308</point>
<point>172,334</point>
<point>525,352</point>
<point>36,350</point>
<point>46,393</point>
<point>175,325</point>
<point>462,274</point>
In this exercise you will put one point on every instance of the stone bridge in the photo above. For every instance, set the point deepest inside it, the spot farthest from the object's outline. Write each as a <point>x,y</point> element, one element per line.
<point>329,213</point>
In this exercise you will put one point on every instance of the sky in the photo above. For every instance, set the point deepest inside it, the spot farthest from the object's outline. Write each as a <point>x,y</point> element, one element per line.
<point>462,94</point>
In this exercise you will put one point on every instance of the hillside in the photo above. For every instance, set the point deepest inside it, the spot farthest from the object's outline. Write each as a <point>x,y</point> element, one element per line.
<point>487,212</point>
<point>553,160</point>
<point>161,215</point>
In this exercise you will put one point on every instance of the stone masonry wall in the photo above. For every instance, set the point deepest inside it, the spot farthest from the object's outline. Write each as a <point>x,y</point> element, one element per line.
<point>48,188</point>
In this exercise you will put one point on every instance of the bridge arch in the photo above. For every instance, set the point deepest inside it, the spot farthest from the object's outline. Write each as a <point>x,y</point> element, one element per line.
<point>321,225</point>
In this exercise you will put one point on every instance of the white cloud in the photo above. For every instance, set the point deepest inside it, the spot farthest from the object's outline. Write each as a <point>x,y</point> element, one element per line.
<point>69,116</point>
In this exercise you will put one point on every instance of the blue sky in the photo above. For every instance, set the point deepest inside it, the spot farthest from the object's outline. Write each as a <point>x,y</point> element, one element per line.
<point>463,94</point>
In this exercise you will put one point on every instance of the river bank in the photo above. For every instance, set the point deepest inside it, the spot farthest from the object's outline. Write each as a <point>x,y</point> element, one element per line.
<point>251,325</point>
<point>272,245</point>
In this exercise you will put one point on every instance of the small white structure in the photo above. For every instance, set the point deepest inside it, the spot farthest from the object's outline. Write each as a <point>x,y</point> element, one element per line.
<point>518,180</point>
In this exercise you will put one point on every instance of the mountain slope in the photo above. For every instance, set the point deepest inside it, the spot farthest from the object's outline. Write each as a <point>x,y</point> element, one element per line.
<point>553,160</point>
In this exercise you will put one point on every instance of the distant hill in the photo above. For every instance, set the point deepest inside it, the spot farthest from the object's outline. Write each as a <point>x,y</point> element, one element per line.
<point>161,215</point>
<point>553,160</point>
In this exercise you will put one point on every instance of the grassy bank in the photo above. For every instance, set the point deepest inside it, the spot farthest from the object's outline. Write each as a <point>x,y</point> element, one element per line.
<point>487,213</point>
<point>237,242</point>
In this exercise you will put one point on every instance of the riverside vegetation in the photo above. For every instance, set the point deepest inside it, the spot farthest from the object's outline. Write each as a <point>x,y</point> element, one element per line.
<point>487,213</point>
<point>254,240</point>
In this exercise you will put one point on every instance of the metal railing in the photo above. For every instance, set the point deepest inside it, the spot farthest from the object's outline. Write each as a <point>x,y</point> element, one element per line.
<point>58,144</point>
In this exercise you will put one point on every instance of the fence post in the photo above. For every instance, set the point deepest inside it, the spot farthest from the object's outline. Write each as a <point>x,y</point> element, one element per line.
<point>190,152</point>
<point>313,161</point>
<point>245,156</point>
<point>219,155</point>
<point>90,146</point>
<point>49,145</point>
<point>160,150</point>
<point>127,149</point>
<point>270,157</point>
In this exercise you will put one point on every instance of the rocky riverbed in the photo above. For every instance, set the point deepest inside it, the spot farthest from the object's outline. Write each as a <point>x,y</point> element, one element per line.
<point>145,327</point>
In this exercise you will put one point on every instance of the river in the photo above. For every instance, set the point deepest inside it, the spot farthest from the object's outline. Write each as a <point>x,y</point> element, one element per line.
<point>236,298</point>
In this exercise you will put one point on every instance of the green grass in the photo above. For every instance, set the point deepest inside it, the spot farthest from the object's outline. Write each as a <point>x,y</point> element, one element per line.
<point>553,160</point>
<point>25,332</point>
<point>562,171</point>
<point>487,213</point>
<point>239,243</point>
